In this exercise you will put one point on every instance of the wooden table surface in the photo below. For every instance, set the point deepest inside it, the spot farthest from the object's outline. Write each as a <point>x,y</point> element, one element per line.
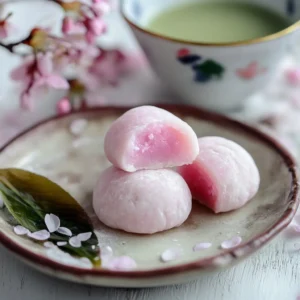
<point>271,274</point>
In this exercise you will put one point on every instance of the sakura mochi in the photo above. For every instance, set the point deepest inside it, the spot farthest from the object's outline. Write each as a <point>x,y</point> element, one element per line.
<point>144,202</point>
<point>148,137</point>
<point>223,177</point>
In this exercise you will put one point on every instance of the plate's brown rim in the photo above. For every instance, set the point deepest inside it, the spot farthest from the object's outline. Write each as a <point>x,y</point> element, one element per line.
<point>242,250</point>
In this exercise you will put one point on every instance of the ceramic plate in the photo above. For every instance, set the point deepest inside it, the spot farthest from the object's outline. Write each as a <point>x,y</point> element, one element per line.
<point>74,162</point>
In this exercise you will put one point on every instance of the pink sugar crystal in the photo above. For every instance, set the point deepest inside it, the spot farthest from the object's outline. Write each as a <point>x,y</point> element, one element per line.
<point>145,201</point>
<point>148,137</point>
<point>223,177</point>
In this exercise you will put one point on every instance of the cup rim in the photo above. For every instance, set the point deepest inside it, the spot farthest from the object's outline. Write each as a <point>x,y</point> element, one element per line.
<point>270,37</point>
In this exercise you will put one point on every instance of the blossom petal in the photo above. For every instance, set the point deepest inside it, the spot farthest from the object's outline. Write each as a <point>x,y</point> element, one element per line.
<point>3,32</point>
<point>61,243</point>
<point>64,231</point>
<point>57,82</point>
<point>49,245</point>
<point>84,236</point>
<point>40,235</point>
<point>202,246</point>
<point>122,263</point>
<point>75,242</point>
<point>21,72</point>
<point>45,64</point>
<point>233,242</point>
<point>52,222</point>
<point>20,230</point>
<point>170,254</point>
<point>78,126</point>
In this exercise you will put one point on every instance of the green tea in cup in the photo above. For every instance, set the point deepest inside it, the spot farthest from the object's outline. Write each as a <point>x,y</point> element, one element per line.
<point>217,22</point>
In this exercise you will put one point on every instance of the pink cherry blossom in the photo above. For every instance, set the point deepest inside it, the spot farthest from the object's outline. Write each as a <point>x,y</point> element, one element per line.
<point>26,101</point>
<point>106,66</point>
<point>45,75</point>
<point>63,106</point>
<point>101,6</point>
<point>69,26</point>
<point>6,27</point>
<point>96,26</point>
<point>21,72</point>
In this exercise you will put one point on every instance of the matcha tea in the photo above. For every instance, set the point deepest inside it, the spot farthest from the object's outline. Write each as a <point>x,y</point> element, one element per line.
<point>217,22</point>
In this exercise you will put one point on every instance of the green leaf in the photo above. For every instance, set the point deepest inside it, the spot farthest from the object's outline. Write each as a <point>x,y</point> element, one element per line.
<point>29,197</point>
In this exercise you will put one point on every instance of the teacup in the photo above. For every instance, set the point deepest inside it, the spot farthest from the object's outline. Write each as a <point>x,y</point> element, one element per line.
<point>235,69</point>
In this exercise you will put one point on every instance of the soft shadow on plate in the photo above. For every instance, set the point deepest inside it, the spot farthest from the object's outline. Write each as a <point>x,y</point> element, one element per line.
<point>74,162</point>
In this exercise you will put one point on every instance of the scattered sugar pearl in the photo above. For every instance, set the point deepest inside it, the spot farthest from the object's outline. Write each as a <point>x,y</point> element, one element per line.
<point>201,246</point>
<point>20,230</point>
<point>170,254</point>
<point>93,247</point>
<point>122,263</point>
<point>52,222</point>
<point>78,126</point>
<point>293,76</point>
<point>40,235</point>
<point>61,243</point>
<point>233,242</point>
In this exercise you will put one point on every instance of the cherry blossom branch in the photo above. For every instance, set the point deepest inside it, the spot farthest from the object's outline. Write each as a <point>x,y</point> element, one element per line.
<point>10,47</point>
<point>51,56</point>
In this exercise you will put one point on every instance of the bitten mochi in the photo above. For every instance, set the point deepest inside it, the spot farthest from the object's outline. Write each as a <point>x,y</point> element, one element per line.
<point>223,177</point>
<point>144,202</point>
<point>148,137</point>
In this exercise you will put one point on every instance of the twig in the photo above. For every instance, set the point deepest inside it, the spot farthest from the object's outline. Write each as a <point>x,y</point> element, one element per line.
<point>10,47</point>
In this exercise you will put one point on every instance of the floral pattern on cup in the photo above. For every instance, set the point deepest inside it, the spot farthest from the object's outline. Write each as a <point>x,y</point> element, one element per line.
<point>290,7</point>
<point>251,71</point>
<point>204,69</point>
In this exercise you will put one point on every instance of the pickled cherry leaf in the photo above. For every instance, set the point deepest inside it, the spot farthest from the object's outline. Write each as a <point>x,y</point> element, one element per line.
<point>29,197</point>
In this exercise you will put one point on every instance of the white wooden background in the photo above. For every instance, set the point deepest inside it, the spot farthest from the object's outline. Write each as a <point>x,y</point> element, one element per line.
<point>271,274</point>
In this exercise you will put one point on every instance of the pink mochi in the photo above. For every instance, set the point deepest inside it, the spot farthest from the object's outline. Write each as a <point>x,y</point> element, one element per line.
<point>148,137</point>
<point>223,177</point>
<point>144,202</point>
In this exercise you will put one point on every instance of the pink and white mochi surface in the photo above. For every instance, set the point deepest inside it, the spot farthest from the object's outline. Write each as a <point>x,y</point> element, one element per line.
<point>144,202</point>
<point>149,137</point>
<point>223,177</point>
